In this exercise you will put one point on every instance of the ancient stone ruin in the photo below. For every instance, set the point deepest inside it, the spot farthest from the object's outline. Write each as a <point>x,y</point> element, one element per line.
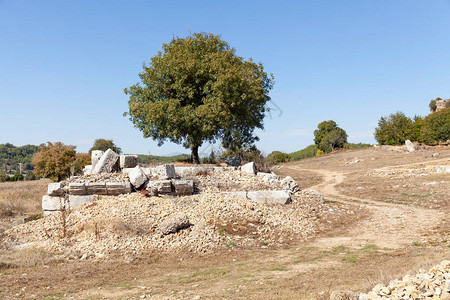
<point>111,174</point>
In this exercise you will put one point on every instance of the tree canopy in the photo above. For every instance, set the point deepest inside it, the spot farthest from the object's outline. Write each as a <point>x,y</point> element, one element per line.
<point>198,90</point>
<point>395,129</point>
<point>436,126</point>
<point>328,136</point>
<point>103,144</point>
<point>54,161</point>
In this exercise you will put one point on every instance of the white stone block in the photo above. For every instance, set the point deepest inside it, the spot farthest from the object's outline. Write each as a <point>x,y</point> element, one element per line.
<point>270,197</point>
<point>75,200</point>
<point>55,189</point>
<point>249,168</point>
<point>87,170</point>
<point>164,171</point>
<point>184,187</point>
<point>160,187</point>
<point>410,146</point>
<point>95,157</point>
<point>106,163</point>
<point>52,203</point>
<point>137,177</point>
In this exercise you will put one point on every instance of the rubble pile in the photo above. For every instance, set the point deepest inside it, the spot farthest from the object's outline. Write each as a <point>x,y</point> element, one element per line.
<point>431,284</point>
<point>155,209</point>
<point>133,223</point>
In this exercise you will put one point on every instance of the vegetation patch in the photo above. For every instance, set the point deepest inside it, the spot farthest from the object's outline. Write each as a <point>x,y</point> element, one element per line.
<point>416,195</point>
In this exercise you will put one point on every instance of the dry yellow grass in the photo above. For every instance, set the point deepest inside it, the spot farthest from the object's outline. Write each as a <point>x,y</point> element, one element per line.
<point>21,197</point>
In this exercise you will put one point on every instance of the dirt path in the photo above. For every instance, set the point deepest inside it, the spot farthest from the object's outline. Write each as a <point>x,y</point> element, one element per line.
<point>389,226</point>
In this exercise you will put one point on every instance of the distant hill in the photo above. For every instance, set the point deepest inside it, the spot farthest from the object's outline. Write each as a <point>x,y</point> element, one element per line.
<point>11,156</point>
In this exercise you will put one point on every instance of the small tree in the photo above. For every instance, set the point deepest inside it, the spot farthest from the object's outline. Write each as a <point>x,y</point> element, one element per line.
<point>54,161</point>
<point>394,130</point>
<point>198,90</point>
<point>103,144</point>
<point>328,136</point>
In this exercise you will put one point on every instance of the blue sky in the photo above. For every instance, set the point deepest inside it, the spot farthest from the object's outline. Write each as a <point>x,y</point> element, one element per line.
<point>64,64</point>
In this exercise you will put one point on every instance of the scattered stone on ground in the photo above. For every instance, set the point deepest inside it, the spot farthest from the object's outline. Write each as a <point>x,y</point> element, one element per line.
<point>431,284</point>
<point>419,170</point>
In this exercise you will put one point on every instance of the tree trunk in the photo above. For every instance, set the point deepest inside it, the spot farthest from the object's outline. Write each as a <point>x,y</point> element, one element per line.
<point>194,156</point>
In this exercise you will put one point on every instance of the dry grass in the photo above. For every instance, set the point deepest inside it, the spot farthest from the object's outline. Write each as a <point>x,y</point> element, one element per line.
<point>21,197</point>
<point>26,258</point>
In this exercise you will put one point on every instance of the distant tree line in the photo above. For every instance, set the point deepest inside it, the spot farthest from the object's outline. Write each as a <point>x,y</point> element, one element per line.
<point>10,159</point>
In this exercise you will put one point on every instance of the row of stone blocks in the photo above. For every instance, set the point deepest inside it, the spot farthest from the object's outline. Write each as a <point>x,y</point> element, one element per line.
<point>75,194</point>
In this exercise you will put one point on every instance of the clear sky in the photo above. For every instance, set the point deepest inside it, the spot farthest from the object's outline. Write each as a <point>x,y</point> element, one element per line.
<point>64,64</point>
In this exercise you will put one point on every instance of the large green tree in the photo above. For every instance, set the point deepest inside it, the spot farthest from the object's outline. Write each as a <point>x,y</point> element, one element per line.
<point>328,136</point>
<point>104,144</point>
<point>198,90</point>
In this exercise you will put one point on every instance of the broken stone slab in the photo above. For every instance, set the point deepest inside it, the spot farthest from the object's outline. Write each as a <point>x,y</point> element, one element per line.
<point>410,146</point>
<point>55,189</point>
<point>98,188</point>
<point>107,162</point>
<point>268,177</point>
<point>118,188</point>
<point>249,168</point>
<point>157,187</point>
<point>164,172</point>
<point>53,203</point>
<point>270,197</point>
<point>95,157</point>
<point>87,170</point>
<point>174,224</point>
<point>290,184</point>
<point>76,200</point>
<point>137,177</point>
<point>128,161</point>
<point>76,188</point>
<point>184,187</point>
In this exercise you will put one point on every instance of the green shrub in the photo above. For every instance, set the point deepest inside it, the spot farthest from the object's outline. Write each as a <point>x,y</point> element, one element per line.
<point>394,130</point>
<point>436,126</point>
<point>277,157</point>
<point>309,151</point>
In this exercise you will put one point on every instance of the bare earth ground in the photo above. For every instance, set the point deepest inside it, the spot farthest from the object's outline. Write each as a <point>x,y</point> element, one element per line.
<point>401,225</point>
